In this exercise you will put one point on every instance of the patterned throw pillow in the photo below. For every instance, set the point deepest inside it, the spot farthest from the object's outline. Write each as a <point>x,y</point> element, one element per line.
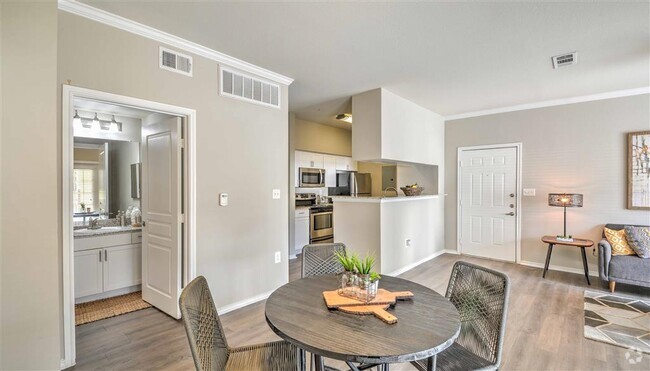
<point>639,239</point>
<point>619,242</point>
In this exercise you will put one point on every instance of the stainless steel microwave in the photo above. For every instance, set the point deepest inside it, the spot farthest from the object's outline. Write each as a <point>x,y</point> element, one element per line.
<point>310,177</point>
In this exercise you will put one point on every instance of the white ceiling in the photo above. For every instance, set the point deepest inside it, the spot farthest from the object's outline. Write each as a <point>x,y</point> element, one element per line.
<point>449,57</point>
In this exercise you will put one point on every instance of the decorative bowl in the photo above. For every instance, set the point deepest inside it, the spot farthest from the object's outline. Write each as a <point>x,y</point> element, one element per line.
<point>409,191</point>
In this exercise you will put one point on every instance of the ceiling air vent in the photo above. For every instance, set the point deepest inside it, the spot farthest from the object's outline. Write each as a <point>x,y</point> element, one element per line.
<point>176,62</point>
<point>250,89</point>
<point>563,60</point>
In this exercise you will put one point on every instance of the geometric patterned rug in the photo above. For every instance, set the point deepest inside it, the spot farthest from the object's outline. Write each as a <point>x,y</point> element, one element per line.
<point>111,307</point>
<point>617,320</point>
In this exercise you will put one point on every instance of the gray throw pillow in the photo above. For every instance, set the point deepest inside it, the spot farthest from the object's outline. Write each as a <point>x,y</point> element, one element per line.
<point>639,240</point>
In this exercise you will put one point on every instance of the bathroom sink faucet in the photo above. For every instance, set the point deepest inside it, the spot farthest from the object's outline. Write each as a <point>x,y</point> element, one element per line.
<point>93,223</point>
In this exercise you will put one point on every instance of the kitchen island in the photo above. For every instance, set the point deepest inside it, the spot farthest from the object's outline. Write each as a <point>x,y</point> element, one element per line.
<point>401,232</point>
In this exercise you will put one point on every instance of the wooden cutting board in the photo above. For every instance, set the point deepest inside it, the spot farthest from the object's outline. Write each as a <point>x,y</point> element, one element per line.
<point>334,300</point>
<point>378,310</point>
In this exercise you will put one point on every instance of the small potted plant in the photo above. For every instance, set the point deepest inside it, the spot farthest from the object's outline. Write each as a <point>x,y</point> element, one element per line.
<point>368,280</point>
<point>348,277</point>
<point>83,206</point>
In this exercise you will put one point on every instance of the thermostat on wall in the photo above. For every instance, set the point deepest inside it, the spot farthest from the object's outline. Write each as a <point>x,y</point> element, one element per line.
<point>223,199</point>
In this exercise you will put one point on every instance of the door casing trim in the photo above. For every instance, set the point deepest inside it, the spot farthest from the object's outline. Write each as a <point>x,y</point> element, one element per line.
<point>69,94</point>
<point>519,147</point>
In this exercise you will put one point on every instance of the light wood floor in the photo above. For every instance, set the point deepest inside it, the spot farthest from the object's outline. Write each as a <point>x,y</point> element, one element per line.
<point>544,328</point>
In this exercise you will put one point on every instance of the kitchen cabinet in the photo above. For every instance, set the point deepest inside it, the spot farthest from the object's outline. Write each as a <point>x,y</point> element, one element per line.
<point>88,272</point>
<point>309,159</point>
<point>329,163</point>
<point>345,163</point>
<point>302,229</point>
<point>122,266</point>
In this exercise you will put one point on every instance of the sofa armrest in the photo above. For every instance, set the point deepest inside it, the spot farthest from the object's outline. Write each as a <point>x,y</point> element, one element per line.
<point>604,257</point>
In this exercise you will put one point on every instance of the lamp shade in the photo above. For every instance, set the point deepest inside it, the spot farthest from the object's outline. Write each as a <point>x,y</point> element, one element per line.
<point>565,199</point>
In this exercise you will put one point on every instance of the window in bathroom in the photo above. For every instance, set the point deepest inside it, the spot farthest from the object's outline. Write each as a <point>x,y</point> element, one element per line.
<point>85,187</point>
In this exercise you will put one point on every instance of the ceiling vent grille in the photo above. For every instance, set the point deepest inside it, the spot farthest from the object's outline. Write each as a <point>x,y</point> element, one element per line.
<point>250,89</point>
<point>563,60</point>
<point>176,62</point>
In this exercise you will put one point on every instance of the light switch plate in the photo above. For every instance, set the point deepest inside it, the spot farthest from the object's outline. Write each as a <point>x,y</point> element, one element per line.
<point>278,257</point>
<point>223,199</point>
<point>529,191</point>
<point>276,194</point>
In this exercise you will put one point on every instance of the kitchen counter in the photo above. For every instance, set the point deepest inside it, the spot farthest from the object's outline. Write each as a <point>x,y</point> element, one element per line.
<point>83,233</point>
<point>382,199</point>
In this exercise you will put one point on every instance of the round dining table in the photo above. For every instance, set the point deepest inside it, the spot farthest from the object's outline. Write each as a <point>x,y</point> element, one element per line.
<point>426,324</point>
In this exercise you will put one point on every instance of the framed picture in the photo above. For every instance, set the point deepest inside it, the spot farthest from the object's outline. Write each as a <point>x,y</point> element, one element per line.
<point>638,170</point>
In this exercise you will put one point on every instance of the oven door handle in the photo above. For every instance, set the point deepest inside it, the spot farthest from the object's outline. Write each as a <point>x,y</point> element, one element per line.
<point>321,177</point>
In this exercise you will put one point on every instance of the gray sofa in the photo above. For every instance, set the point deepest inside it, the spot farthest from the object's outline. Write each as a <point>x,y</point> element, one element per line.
<point>629,269</point>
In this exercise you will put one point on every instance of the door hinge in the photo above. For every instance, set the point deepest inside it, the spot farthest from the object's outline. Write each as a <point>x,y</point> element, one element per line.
<point>181,143</point>
<point>182,218</point>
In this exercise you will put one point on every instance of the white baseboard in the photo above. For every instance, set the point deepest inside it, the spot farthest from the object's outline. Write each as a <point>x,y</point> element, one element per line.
<point>108,294</point>
<point>240,304</point>
<point>448,251</point>
<point>294,256</point>
<point>593,271</point>
<point>413,265</point>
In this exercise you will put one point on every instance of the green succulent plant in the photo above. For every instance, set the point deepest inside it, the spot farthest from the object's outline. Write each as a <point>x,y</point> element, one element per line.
<point>347,261</point>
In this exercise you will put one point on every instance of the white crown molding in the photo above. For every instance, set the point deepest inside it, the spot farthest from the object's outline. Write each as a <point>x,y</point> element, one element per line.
<point>551,103</point>
<point>125,24</point>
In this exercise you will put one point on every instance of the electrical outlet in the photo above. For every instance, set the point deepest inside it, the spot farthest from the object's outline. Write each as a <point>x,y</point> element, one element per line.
<point>529,191</point>
<point>278,257</point>
<point>276,194</point>
<point>223,199</point>
<point>407,243</point>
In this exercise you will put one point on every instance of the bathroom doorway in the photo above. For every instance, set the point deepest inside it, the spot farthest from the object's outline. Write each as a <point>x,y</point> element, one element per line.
<point>128,207</point>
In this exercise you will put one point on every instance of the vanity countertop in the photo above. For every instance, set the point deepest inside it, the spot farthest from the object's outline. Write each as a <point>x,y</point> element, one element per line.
<point>103,231</point>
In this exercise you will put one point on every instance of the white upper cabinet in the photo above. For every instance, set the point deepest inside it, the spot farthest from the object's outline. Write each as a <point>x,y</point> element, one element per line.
<point>330,167</point>
<point>346,163</point>
<point>330,163</point>
<point>388,127</point>
<point>309,159</point>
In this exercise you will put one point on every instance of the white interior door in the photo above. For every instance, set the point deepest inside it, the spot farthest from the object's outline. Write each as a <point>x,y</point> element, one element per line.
<point>488,202</point>
<point>161,213</point>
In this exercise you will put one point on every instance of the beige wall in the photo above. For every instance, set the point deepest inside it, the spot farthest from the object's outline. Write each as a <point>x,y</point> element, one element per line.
<point>30,309</point>
<point>374,169</point>
<point>314,137</point>
<point>86,154</point>
<point>571,148</point>
<point>235,244</point>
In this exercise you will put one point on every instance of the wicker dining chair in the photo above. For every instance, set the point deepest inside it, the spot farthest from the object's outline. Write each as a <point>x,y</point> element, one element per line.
<point>481,297</point>
<point>208,341</point>
<point>319,259</point>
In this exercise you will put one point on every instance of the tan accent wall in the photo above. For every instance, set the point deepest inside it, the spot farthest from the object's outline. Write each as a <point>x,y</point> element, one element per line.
<point>30,302</point>
<point>315,137</point>
<point>577,148</point>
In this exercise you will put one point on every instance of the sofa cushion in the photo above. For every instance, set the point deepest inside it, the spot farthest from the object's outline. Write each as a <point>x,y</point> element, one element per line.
<point>639,240</point>
<point>629,267</point>
<point>619,242</point>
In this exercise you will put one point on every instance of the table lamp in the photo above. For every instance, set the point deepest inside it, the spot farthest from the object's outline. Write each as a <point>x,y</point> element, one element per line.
<point>565,200</point>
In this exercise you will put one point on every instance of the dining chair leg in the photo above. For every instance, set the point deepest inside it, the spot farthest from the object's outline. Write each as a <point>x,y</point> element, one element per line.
<point>318,360</point>
<point>431,363</point>
<point>301,360</point>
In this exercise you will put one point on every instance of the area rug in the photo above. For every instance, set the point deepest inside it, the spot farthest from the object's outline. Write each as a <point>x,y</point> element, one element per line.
<point>618,320</point>
<point>111,307</point>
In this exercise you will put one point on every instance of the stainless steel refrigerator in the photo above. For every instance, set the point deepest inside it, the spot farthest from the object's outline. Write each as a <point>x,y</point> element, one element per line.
<point>360,184</point>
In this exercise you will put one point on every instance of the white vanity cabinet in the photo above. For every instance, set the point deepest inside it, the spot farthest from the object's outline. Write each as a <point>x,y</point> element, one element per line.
<point>122,266</point>
<point>88,273</point>
<point>106,266</point>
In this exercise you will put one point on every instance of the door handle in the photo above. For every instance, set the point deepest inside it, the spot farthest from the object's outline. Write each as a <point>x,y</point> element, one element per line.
<point>105,255</point>
<point>512,213</point>
<point>100,256</point>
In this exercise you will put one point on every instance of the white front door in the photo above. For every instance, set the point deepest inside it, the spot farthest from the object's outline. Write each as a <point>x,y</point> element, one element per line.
<point>488,202</point>
<point>161,213</point>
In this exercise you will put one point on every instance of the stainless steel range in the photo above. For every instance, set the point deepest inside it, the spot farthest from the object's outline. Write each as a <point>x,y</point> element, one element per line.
<point>321,224</point>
